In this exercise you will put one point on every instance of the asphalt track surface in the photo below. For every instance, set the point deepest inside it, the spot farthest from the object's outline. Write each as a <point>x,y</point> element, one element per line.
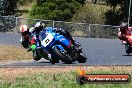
<point>99,51</point>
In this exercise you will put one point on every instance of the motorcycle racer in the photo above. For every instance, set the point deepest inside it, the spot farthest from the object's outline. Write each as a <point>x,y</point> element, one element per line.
<point>125,35</point>
<point>123,31</point>
<point>30,39</point>
<point>39,26</point>
<point>27,40</point>
<point>36,43</point>
<point>24,40</point>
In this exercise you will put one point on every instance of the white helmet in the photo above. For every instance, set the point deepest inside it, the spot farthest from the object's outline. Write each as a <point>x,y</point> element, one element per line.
<point>23,28</point>
<point>39,25</point>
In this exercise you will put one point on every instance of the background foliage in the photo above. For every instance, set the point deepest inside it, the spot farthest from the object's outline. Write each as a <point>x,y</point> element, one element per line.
<point>7,7</point>
<point>55,9</point>
<point>90,11</point>
<point>119,11</point>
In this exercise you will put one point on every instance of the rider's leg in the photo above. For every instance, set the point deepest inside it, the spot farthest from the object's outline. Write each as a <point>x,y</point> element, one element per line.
<point>36,56</point>
<point>48,55</point>
<point>25,44</point>
<point>68,35</point>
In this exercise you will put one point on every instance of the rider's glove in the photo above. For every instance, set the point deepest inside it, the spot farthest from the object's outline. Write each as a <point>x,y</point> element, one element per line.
<point>33,47</point>
<point>56,30</point>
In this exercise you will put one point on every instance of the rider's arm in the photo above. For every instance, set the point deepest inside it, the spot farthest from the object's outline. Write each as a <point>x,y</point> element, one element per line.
<point>21,39</point>
<point>24,42</point>
<point>56,30</point>
<point>59,30</point>
<point>32,42</point>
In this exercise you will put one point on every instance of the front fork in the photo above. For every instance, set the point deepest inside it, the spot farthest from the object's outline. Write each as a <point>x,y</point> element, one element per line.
<point>128,48</point>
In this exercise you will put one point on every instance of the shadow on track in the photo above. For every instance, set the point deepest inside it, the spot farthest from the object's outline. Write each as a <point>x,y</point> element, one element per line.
<point>126,55</point>
<point>57,63</point>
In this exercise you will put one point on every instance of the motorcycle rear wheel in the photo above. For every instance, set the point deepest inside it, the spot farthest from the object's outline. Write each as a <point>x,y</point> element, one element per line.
<point>82,58</point>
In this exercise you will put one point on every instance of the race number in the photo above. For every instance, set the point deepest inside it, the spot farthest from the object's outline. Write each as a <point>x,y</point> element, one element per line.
<point>47,40</point>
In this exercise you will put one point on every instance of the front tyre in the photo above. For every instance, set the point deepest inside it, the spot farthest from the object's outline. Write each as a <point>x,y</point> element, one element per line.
<point>64,56</point>
<point>128,49</point>
<point>82,58</point>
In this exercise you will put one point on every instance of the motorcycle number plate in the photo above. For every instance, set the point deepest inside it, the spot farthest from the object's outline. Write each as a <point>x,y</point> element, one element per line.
<point>47,40</point>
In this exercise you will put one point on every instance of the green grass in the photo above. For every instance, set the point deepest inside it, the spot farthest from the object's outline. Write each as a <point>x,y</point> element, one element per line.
<point>57,80</point>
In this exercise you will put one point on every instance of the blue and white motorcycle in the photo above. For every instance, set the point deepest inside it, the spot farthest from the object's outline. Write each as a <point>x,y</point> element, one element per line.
<point>60,47</point>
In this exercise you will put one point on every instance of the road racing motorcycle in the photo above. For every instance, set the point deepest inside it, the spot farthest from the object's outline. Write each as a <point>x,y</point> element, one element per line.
<point>60,47</point>
<point>128,44</point>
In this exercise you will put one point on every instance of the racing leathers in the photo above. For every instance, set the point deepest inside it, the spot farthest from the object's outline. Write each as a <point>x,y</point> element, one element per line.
<point>122,34</point>
<point>24,40</point>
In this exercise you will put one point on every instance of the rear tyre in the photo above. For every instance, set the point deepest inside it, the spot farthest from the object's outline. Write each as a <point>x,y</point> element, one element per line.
<point>64,57</point>
<point>82,58</point>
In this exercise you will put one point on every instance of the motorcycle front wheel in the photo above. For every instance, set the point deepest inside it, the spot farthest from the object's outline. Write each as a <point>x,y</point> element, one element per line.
<point>64,56</point>
<point>128,49</point>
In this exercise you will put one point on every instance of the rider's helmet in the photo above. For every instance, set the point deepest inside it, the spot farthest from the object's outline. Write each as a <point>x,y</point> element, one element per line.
<point>39,26</point>
<point>123,27</point>
<point>24,30</point>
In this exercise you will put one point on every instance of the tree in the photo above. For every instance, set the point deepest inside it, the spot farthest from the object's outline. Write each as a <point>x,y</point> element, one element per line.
<point>55,9</point>
<point>121,14</point>
<point>81,1</point>
<point>90,13</point>
<point>113,13</point>
<point>95,1</point>
<point>22,2</point>
<point>7,7</point>
<point>125,10</point>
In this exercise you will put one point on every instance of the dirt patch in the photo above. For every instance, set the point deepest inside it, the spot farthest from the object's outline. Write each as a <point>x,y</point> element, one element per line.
<point>10,53</point>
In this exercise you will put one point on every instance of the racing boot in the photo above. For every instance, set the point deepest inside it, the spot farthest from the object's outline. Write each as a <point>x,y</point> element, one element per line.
<point>76,44</point>
<point>36,57</point>
<point>50,59</point>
